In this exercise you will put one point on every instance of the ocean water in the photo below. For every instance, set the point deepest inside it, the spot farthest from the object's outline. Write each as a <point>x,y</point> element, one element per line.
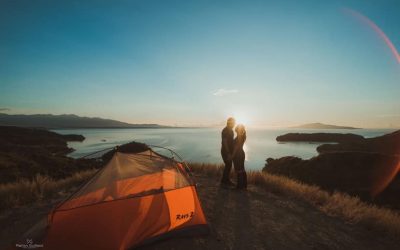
<point>203,144</point>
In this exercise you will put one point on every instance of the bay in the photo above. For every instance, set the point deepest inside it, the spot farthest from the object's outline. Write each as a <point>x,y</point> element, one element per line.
<point>203,144</point>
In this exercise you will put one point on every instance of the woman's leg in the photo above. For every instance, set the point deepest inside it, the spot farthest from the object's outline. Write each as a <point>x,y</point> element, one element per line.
<point>244,172</point>
<point>241,174</point>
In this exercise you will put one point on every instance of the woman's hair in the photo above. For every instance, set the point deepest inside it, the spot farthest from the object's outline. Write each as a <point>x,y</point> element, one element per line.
<point>241,131</point>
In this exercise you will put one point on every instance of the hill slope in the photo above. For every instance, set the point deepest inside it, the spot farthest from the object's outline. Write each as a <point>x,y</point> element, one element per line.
<point>66,121</point>
<point>365,167</point>
<point>26,152</point>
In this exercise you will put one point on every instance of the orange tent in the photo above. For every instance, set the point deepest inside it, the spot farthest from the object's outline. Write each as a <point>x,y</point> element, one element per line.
<point>136,198</point>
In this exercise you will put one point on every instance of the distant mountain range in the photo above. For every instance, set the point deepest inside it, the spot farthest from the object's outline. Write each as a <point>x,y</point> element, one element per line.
<point>318,125</point>
<point>66,121</point>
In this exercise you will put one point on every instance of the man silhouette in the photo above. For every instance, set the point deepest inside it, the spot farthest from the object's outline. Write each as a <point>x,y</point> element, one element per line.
<point>227,146</point>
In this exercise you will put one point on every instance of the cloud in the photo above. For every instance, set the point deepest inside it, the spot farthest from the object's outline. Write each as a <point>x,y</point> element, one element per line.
<point>223,92</point>
<point>5,109</point>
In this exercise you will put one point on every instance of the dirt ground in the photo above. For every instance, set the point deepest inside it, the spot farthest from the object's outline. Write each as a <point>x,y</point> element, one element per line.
<point>252,219</point>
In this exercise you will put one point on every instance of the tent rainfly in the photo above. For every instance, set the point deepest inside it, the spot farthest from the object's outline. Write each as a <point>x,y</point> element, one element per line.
<point>135,199</point>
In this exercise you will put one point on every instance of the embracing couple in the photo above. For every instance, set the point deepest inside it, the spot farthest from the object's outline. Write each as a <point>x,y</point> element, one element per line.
<point>232,153</point>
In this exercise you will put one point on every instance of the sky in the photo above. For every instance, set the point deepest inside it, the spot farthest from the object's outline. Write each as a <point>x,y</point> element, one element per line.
<point>269,63</point>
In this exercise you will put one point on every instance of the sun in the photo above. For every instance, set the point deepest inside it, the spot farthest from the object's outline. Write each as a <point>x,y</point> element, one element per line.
<point>242,119</point>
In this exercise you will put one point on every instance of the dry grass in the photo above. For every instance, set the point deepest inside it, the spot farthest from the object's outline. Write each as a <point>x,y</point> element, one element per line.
<point>39,188</point>
<point>347,207</point>
<point>351,209</point>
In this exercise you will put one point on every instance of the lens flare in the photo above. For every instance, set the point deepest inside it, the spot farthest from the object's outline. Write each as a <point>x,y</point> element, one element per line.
<point>375,27</point>
<point>384,177</point>
<point>385,174</point>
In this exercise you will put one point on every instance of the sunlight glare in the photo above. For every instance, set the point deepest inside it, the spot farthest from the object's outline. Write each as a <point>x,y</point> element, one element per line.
<point>242,119</point>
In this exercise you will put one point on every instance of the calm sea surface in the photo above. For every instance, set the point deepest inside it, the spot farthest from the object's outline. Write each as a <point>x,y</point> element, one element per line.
<point>203,144</point>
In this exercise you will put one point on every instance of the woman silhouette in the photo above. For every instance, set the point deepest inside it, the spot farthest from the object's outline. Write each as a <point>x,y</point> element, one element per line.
<point>238,156</point>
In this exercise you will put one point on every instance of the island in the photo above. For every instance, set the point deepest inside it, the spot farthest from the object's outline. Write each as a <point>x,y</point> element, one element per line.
<point>318,125</point>
<point>385,144</point>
